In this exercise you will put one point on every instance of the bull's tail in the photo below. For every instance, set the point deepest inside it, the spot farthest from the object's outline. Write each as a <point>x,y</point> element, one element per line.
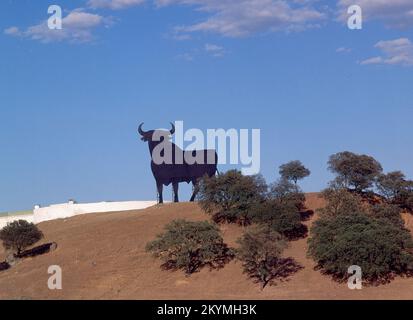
<point>217,172</point>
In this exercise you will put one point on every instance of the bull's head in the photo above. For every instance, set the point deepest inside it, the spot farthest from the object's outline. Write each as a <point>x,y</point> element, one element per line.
<point>155,135</point>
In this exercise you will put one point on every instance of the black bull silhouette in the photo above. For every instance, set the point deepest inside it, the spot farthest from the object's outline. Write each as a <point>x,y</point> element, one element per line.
<point>177,169</point>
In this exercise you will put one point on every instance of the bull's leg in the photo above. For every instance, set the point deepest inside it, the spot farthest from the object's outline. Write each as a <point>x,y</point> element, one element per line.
<point>195,190</point>
<point>175,186</point>
<point>159,186</point>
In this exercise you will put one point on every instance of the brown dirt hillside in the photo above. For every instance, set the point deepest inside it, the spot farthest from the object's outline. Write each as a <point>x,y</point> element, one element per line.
<point>102,257</point>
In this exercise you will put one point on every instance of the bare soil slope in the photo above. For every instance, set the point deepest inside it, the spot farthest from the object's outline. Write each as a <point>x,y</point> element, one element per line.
<point>103,257</point>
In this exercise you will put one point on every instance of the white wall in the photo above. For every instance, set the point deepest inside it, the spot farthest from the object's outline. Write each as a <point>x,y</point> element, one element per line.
<point>67,210</point>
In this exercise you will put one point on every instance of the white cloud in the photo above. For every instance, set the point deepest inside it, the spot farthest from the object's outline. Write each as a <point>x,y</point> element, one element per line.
<point>343,50</point>
<point>12,31</point>
<point>214,50</point>
<point>396,13</point>
<point>373,60</point>
<point>245,17</point>
<point>114,4</point>
<point>77,26</point>
<point>394,52</point>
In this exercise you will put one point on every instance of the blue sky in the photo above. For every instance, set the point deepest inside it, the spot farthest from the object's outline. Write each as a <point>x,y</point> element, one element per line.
<point>70,103</point>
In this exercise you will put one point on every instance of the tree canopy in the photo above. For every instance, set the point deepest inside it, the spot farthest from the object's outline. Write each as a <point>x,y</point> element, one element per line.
<point>354,170</point>
<point>380,248</point>
<point>190,245</point>
<point>260,252</point>
<point>19,235</point>
<point>229,196</point>
<point>294,171</point>
<point>396,189</point>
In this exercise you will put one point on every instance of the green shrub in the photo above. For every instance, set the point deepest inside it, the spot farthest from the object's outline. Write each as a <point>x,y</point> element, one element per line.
<point>340,201</point>
<point>396,189</point>
<point>388,213</point>
<point>286,192</point>
<point>190,246</point>
<point>280,217</point>
<point>230,196</point>
<point>409,201</point>
<point>392,184</point>
<point>234,198</point>
<point>405,199</point>
<point>19,235</point>
<point>380,248</point>
<point>260,252</point>
<point>281,210</point>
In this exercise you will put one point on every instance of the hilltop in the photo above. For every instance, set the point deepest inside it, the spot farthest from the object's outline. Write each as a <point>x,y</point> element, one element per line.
<point>103,257</point>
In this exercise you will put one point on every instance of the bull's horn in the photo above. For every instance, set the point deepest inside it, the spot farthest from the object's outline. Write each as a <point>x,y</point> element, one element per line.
<point>141,132</point>
<point>173,128</point>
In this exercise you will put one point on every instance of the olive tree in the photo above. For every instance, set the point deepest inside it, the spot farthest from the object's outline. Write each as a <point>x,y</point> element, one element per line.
<point>190,245</point>
<point>390,185</point>
<point>260,252</point>
<point>340,201</point>
<point>229,197</point>
<point>380,248</point>
<point>281,210</point>
<point>284,191</point>
<point>354,170</point>
<point>389,213</point>
<point>396,189</point>
<point>20,234</point>
<point>294,171</point>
